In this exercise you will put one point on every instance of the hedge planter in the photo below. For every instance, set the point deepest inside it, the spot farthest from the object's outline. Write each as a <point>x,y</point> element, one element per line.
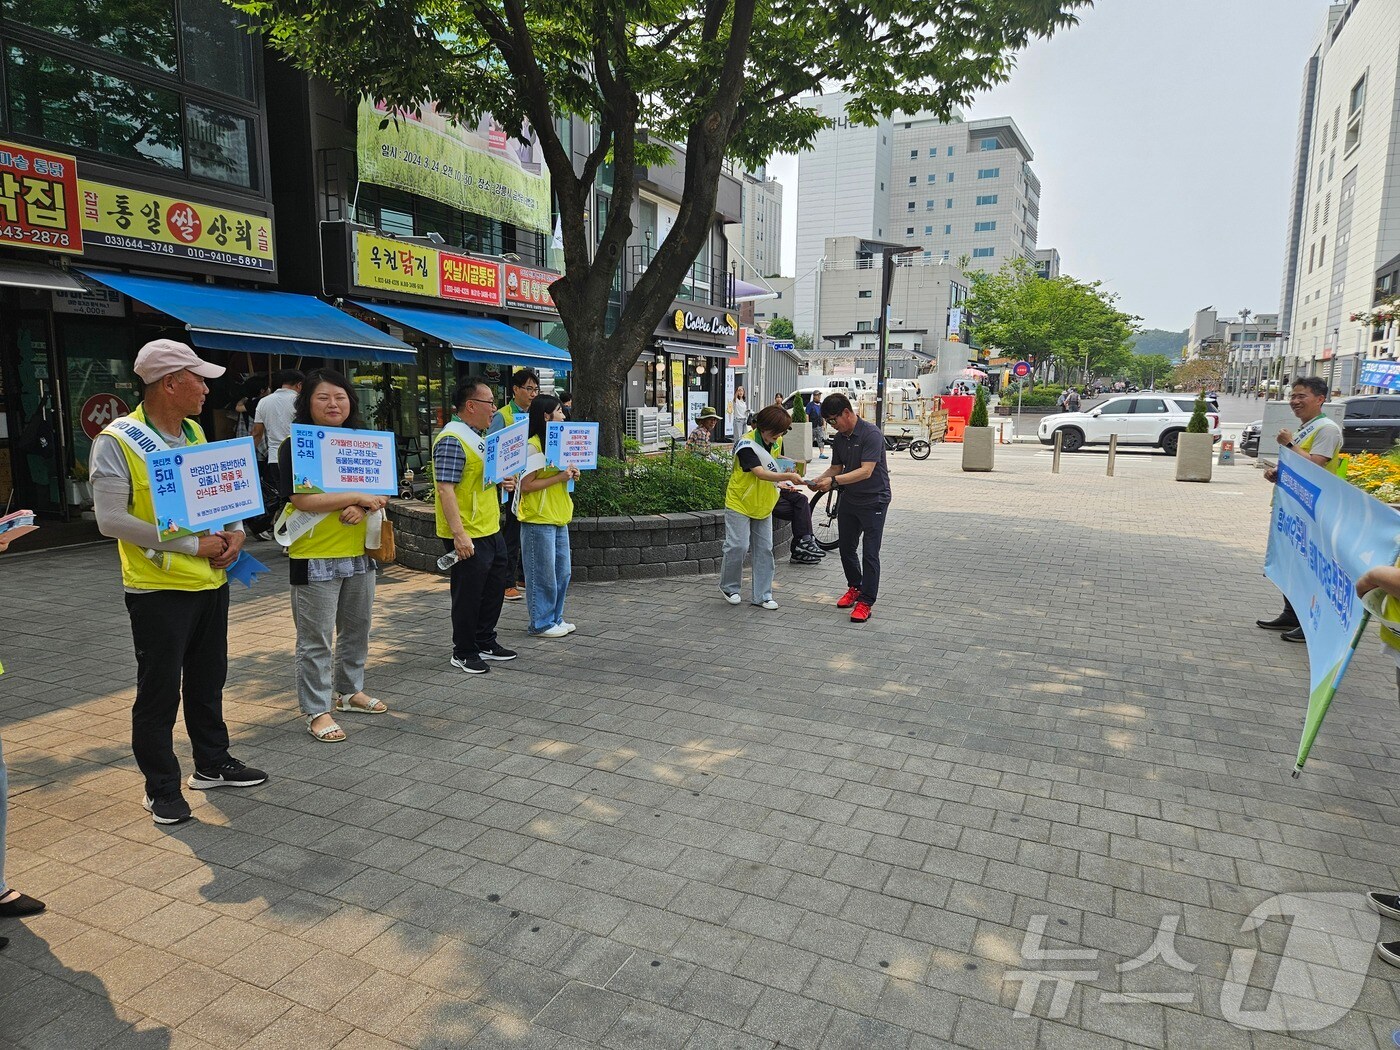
<point>622,548</point>
<point>979,448</point>
<point>1194,457</point>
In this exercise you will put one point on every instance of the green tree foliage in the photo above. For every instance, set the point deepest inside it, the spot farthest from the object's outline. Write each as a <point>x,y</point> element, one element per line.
<point>979,408</point>
<point>799,410</point>
<point>780,328</point>
<point>1199,424</point>
<point>1060,319</point>
<point>1159,341</point>
<point>802,341</point>
<point>719,78</point>
<point>1148,370</point>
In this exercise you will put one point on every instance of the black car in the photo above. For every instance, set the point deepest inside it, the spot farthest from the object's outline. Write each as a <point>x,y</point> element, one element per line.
<point>1371,423</point>
<point>1249,438</point>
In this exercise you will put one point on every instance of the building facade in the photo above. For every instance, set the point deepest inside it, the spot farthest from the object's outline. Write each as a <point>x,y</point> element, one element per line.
<point>927,327</point>
<point>756,241</point>
<point>1251,346</point>
<point>1344,220</point>
<point>1047,262</point>
<point>963,191</point>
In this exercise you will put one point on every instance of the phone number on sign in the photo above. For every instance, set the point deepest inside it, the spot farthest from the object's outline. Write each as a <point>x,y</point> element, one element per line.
<point>21,233</point>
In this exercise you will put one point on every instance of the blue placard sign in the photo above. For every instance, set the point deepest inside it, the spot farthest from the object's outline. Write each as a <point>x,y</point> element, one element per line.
<point>1384,374</point>
<point>507,452</point>
<point>202,487</point>
<point>572,445</point>
<point>337,459</point>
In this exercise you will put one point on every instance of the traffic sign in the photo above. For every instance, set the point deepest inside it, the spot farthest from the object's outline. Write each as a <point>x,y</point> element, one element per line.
<point>783,344</point>
<point>1021,369</point>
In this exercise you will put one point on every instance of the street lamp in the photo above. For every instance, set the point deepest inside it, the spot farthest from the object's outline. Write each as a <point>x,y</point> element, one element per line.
<point>891,252</point>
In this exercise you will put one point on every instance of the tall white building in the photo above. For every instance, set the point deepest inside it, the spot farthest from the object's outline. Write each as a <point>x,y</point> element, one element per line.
<point>955,189</point>
<point>756,242</point>
<point>1344,224</point>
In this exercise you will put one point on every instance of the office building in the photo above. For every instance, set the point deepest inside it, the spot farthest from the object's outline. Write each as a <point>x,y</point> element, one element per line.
<point>1047,262</point>
<point>756,241</point>
<point>961,190</point>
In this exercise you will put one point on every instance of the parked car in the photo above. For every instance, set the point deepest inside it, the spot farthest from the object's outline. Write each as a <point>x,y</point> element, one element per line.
<point>1151,418</point>
<point>1249,438</point>
<point>1371,423</point>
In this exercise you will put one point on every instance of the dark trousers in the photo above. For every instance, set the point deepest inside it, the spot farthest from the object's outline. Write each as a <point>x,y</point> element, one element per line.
<point>478,591</point>
<point>510,529</point>
<point>1289,613</point>
<point>178,635</point>
<point>862,526</point>
<point>793,507</point>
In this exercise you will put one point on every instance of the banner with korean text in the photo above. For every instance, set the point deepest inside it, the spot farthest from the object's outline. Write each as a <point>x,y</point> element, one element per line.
<point>203,487</point>
<point>338,459</point>
<point>135,220</point>
<point>1324,533</point>
<point>478,169</point>
<point>507,452</point>
<point>1382,374</point>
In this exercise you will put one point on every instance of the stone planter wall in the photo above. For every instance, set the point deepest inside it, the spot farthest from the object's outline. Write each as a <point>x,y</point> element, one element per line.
<point>622,548</point>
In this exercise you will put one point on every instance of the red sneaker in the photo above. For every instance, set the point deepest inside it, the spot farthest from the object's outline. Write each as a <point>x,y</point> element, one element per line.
<point>861,612</point>
<point>848,599</point>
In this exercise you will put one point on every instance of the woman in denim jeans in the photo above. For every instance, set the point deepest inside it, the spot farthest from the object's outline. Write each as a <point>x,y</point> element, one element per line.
<point>545,510</point>
<point>13,904</point>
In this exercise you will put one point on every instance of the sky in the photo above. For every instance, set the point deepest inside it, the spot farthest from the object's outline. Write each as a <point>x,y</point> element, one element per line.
<point>1163,133</point>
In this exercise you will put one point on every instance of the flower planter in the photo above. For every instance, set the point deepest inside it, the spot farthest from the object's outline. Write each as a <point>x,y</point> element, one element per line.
<point>797,442</point>
<point>1194,457</point>
<point>979,446</point>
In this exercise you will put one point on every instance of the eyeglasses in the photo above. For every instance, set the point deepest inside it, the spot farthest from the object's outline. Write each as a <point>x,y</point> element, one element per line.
<point>530,389</point>
<point>483,401</point>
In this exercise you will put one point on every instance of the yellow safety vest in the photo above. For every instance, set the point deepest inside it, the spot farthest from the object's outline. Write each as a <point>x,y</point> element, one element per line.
<point>168,571</point>
<point>750,495</point>
<point>478,504</point>
<point>547,506</point>
<point>331,538</point>
<point>1336,465</point>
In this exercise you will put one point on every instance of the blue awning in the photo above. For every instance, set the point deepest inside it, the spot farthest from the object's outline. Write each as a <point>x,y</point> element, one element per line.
<point>474,338</point>
<point>240,320</point>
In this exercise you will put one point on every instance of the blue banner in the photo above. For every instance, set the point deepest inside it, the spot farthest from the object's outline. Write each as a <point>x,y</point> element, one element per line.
<point>1323,535</point>
<point>338,459</point>
<point>1384,374</point>
<point>507,451</point>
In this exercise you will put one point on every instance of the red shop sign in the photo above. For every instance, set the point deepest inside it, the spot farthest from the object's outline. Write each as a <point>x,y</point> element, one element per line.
<point>39,200</point>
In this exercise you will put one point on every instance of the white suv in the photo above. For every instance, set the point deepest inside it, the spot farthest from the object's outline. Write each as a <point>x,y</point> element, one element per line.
<point>1148,418</point>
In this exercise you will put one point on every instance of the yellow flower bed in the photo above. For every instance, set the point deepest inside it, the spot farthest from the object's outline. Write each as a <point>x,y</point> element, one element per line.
<point>1378,475</point>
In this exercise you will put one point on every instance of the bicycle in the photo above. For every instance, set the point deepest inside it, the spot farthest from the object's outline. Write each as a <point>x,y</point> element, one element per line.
<point>918,447</point>
<point>824,529</point>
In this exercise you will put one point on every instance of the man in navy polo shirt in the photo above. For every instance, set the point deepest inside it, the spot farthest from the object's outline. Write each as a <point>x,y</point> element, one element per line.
<point>858,470</point>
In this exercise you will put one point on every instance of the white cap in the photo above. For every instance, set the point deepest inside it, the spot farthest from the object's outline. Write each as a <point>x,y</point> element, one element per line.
<point>160,357</point>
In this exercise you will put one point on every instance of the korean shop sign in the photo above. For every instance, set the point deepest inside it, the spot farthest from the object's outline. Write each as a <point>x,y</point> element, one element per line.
<point>39,200</point>
<point>135,220</point>
<point>395,266</point>
<point>529,288</point>
<point>385,264</point>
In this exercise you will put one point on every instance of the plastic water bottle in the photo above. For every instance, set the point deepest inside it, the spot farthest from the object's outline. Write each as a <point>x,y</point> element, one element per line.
<point>447,560</point>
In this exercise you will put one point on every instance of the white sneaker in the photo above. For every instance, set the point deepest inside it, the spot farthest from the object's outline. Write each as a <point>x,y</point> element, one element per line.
<point>569,628</point>
<point>557,631</point>
<point>732,599</point>
<point>770,604</point>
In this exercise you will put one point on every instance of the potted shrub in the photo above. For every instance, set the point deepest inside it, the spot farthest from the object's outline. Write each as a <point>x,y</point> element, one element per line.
<point>797,442</point>
<point>979,440</point>
<point>1195,449</point>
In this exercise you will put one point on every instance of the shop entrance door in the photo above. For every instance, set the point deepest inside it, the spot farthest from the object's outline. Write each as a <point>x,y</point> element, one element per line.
<point>34,419</point>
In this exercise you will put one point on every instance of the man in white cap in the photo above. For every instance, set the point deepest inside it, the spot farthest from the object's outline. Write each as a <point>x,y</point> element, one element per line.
<point>176,590</point>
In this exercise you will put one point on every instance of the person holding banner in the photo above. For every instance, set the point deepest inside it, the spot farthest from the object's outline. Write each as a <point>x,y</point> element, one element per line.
<point>468,512</point>
<point>1320,439</point>
<point>524,386</point>
<point>748,507</point>
<point>332,578</point>
<point>545,508</point>
<point>176,590</point>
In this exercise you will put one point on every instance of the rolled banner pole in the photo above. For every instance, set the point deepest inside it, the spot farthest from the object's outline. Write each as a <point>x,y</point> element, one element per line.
<point>1319,704</point>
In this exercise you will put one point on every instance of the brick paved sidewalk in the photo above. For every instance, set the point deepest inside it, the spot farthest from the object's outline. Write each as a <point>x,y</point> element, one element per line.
<point>692,825</point>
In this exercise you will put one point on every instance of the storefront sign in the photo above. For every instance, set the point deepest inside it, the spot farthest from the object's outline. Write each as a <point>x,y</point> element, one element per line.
<point>469,280</point>
<point>337,459</point>
<point>396,266</point>
<point>204,486</point>
<point>474,169</point>
<point>507,452</point>
<point>98,411</point>
<point>729,386</point>
<point>386,264</point>
<point>100,302</point>
<point>39,200</point>
<point>677,392</point>
<point>134,220</point>
<point>529,288</point>
<point>722,325</point>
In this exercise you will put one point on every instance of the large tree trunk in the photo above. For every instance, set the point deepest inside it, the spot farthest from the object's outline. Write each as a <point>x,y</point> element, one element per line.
<point>599,385</point>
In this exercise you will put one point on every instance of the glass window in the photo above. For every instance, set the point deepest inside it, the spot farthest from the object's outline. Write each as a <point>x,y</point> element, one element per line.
<point>911,206</point>
<point>950,203</point>
<point>983,253</point>
<point>220,145</point>
<point>1362,408</point>
<point>913,179</point>
<point>53,99</point>
<point>948,230</point>
<point>1149,406</point>
<point>138,30</point>
<point>1188,405</point>
<point>984,227</point>
<point>986,144</point>
<point>987,198</point>
<point>218,51</point>
<point>1121,407</point>
<point>950,151</point>
<point>864,293</point>
<point>989,173</point>
<point>909,231</point>
<point>950,176</point>
<point>932,177</point>
<point>1358,95</point>
<point>928,231</point>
